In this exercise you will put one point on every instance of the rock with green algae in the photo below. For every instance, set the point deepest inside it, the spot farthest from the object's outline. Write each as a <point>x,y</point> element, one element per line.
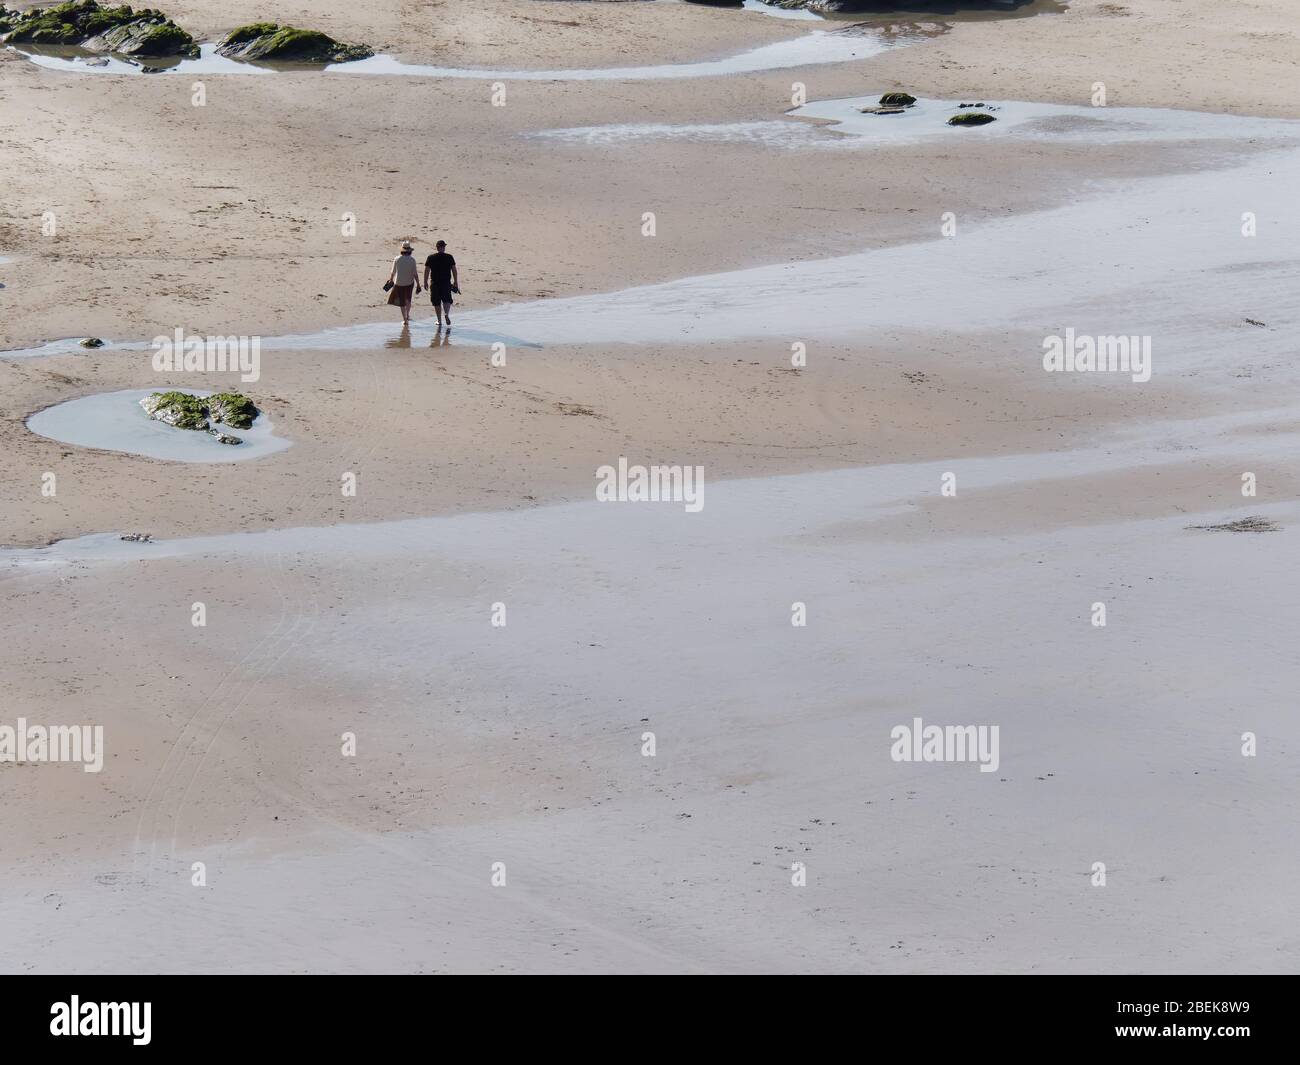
<point>144,39</point>
<point>177,408</point>
<point>267,40</point>
<point>897,99</point>
<point>146,32</point>
<point>971,118</point>
<point>204,413</point>
<point>233,409</point>
<point>91,342</point>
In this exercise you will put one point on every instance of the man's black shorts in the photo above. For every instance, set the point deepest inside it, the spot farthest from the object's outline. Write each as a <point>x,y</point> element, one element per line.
<point>440,293</point>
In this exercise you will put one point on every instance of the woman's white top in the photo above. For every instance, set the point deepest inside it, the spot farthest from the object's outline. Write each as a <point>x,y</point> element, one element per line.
<point>404,269</point>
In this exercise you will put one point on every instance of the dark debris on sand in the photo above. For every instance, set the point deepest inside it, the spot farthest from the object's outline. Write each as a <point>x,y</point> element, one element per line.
<point>1253,523</point>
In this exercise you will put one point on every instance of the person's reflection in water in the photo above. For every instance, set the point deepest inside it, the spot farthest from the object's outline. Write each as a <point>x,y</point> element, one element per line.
<point>440,340</point>
<point>402,340</point>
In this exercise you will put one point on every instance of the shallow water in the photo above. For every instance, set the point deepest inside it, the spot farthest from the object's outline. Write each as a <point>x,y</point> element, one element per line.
<point>853,130</point>
<point>797,14</point>
<point>115,421</point>
<point>62,346</point>
<point>788,504</point>
<point>1098,125</point>
<point>1161,256</point>
<point>630,617</point>
<point>80,61</point>
<point>948,13</point>
<point>951,13</point>
<point>1131,256</point>
<point>817,47</point>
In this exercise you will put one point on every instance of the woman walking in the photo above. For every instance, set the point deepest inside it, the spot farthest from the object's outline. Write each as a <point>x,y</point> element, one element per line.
<point>402,278</point>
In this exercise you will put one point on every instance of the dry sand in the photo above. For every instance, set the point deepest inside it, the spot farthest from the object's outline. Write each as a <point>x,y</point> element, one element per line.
<point>522,744</point>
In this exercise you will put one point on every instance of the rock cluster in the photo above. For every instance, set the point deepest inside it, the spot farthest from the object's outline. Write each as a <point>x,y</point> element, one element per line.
<point>150,33</point>
<point>98,29</point>
<point>203,413</point>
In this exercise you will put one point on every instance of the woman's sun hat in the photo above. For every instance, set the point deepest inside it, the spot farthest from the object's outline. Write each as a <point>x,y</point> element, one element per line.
<point>406,246</point>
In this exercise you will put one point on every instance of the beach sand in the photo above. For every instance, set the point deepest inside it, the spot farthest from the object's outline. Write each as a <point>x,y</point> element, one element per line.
<point>371,614</point>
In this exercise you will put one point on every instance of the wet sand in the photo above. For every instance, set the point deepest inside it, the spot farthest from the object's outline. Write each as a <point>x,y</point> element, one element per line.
<point>522,744</point>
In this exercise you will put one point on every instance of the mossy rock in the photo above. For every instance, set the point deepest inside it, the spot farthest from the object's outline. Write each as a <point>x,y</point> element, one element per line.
<point>106,29</point>
<point>43,29</point>
<point>233,409</point>
<point>145,39</point>
<point>971,118</point>
<point>92,342</point>
<point>185,411</point>
<point>266,40</point>
<point>897,99</point>
<point>177,408</point>
<point>245,34</point>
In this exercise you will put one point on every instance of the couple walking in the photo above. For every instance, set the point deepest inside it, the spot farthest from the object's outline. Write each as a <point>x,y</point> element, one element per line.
<point>440,278</point>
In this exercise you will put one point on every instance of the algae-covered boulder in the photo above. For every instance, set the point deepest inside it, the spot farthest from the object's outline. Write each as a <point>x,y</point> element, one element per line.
<point>971,118</point>
<point>52,25</point>
<point>144,39</point>
<point>246,35</point>
<point>203,413</point>
<point>892,103</point>
<point>177,408</point>
<point>91,342</point>
<point>121,29</point>
<point>233,409</point>
<point>267,40</point>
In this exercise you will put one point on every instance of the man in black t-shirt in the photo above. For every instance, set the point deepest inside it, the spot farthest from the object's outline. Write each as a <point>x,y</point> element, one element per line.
<point>441,279</point>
